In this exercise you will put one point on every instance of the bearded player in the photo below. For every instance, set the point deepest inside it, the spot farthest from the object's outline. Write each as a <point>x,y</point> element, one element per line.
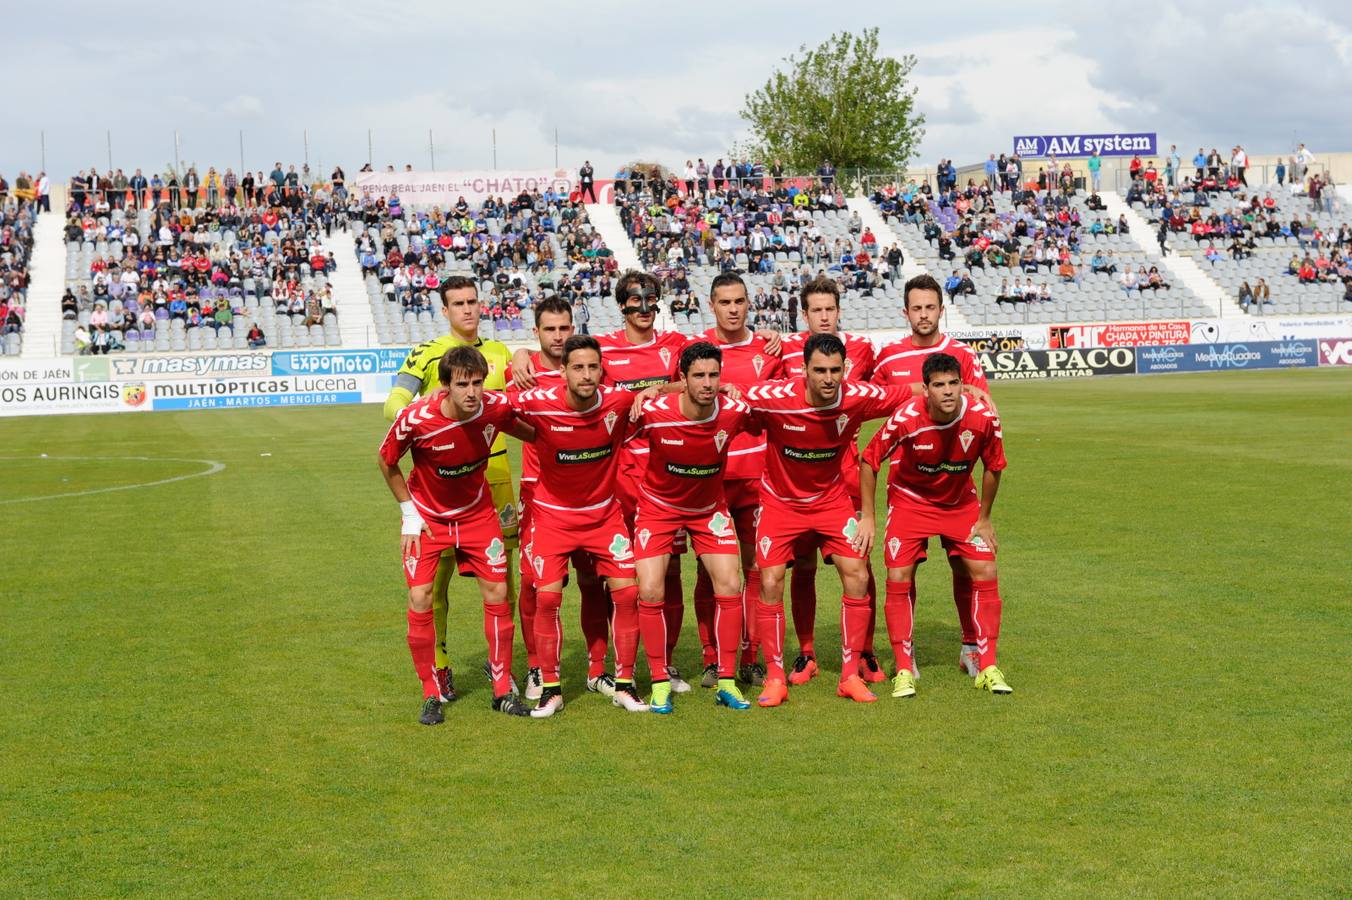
<point>934,442</point>
<point>820,302</point>
<point>901,363</point>
<point>447,508</point>
<point>809,424</point>
<point>418,375</point>
<point>689,435</point>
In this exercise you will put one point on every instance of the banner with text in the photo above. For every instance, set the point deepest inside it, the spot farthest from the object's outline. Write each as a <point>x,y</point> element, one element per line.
<point>1336,352</point>
<point>1119,334</point>
<point>444,189</point>
<point>1213,357</point>
<point>1067,145</point>
<point>1009,365</point>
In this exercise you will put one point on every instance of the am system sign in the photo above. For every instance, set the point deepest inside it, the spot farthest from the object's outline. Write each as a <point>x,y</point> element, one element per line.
<point>1065,145</point>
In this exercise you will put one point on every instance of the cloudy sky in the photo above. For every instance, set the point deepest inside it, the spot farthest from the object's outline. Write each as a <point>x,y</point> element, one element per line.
<point>623,81</point>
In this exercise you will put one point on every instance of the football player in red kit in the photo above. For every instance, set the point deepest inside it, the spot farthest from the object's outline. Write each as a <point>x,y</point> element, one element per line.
<point>900,363</point>
<point>820,300</point>
<point>934,442</point>
<point>808,425</point>
<point>580,425</point>
<point>446,505</point>
<point>688,436</point>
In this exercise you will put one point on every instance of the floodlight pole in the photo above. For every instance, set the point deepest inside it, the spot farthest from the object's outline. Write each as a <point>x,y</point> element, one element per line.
<point>495,149</point>
<point>431,150</point>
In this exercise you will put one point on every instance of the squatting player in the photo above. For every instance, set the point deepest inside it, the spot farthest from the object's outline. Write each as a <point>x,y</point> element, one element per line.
<point>580,425</point>
<point>934,442</point>
<point>820,302</point>
<point>418,375</point>
<point>900,363</point>
<point>808,426</point>
<point>689,435</point>
<point>447,508</point>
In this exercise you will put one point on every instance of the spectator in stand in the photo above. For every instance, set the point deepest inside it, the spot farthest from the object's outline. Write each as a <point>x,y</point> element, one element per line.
<point>586,179</point>
<point>1095,166</point>
<point>992,169</point>
<point>256,338</point>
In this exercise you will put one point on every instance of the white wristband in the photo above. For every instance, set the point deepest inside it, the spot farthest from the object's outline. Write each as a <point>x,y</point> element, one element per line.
<point>412,522</point>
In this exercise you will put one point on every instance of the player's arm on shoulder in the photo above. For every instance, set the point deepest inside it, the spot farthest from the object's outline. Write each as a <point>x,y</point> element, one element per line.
<point>523,369</point>
<point>773,342</point>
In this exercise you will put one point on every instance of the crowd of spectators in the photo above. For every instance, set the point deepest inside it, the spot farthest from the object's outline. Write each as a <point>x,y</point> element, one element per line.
<point>117,190</point>
<point>19,207</point>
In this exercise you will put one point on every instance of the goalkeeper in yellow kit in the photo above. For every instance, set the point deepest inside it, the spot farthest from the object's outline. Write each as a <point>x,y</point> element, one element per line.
<point>418,375</point>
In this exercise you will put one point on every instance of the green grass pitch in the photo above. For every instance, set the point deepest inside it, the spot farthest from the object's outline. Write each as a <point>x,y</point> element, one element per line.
<point>206,688</point>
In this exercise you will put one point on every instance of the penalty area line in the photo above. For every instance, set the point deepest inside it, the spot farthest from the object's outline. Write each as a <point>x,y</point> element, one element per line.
<point>212,467</point>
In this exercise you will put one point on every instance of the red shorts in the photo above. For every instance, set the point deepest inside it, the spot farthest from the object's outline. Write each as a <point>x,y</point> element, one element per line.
<point>555,535</point>
<point>629,493</point>
<point>808,543</point>
<point>744,504</point>
<point>910,525</point>
<point>475,538</point>
<point>658,529</point>
<point>783,525</point>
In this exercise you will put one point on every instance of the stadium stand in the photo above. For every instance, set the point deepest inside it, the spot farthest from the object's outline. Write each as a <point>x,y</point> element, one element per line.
<point>181,267</point>
<point>18,213</point>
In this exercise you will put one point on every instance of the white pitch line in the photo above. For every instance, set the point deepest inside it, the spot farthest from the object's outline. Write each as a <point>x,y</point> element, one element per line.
<point>212,468</point>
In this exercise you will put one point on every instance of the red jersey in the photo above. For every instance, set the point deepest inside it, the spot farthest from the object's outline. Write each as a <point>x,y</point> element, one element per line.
<point>638,366</point>
<point>449,455</point>
<point>859,355</point>
<point>806,443</point>
<point>900,363</point>
<point>933,463</point>
<point>686,458</point>
<point>576,450</point>
<point>544,377</point>
<point>745,363</point>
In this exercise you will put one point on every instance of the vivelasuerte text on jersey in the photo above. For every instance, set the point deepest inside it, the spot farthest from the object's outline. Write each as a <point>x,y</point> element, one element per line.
<point>932,462</point>
<point>686,457</point>
<point>577,450</point>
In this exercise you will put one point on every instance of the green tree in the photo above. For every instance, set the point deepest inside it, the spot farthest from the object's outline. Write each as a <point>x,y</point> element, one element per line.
<point>842,101</point>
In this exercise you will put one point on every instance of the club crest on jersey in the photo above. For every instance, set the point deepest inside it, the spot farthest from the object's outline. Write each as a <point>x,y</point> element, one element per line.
<point>538,564</point>
<point>720,439</point>
<point>894,546</point>
<point>718,525</point>
<point>849,364</point>
<point>619,548</point>
<point>965,439</point>
<point>411,565</point>
<point>496,552</point>
<point>610,420</point>
<point>643,536</point>
<point>490,432</point>
<point>665,354</point>
<point>842,422</point>
<point>758,363</point>
<point>765,546</point>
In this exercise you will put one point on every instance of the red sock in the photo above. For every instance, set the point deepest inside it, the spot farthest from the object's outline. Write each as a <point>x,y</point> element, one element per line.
<point>499,630</point>
<point>548,633</point>
<point>962,599</point>
<point>704,615</point>
<point>872,613</point>
<point>728,628</point>
<point>624,624</point>
<point>986,608</point>
<point>422,639</point>
<point>770,628</point>
<point>525,604</point>
<point>803,600</point>
<point>853,624</point>
<point>595,619</point>
<point>673,608</point>
<point>751,639</point>
<point>900,622</point>
<point>652,626</point>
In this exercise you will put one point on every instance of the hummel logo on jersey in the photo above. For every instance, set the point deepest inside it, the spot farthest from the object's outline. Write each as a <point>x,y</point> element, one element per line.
<point>720,439</point>
<point>560,427</point>
<point>644,535</point>
<point>842,423</point>
<point>788,427</point>
<point>758,363</point>
<point>765,546</point>
<point>893,546</point>
<point>665,354</point>
<point>718,525</point>
<point>924,446</point>
<point>965,439</point>
<point>496,552</point>
<point>610,420</point>
<point>670,443</point>
<point>619,548</point>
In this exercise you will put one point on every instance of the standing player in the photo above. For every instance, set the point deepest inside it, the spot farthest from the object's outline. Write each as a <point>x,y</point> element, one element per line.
<point>808,426</point>
<point>418,375</point>
<point>689,435</point>
<point>901,363</point>
<point>748,359</point>
<point>580,425</point>
<point>934,442</point>
<point>820,300</point>
<point>447,508</point>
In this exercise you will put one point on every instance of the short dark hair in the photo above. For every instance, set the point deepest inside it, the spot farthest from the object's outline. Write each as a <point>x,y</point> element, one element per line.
<point>823,343</point>
<point>580,342</point>
<point>553,304</point>
<point>921,283</point>
<point>632,277</point>
<point>459,282</point>
<point>726,279</point>
<point>819,285</point>
<point>465,359</point>
<point>697,351</point>
<point>940,364</point>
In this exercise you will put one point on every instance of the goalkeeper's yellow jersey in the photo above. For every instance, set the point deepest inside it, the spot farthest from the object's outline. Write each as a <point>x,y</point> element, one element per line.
<point>418,375</point>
